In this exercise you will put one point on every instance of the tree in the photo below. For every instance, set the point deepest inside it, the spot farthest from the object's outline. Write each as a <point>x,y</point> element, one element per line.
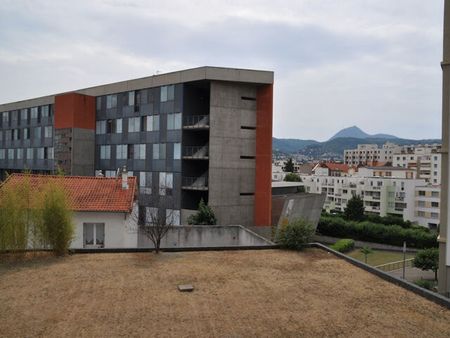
<point>57,224</point>
<point>366,251</point>
<point>354,210</point>
<point>295,234</point>
<point>292,177</point>
<point>289,166</point>
<point>155,225</point>
<point>427,259</point>
<point>204,216</point>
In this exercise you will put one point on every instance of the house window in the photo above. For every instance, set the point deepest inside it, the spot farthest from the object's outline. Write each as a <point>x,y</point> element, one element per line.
<point>105,152</point>
<point>435,204</point>
<point>167,93</point>
<point>93,235</point>
<point>435,194</point>
<point>153,123</point>
<point>421,193</point>
<point>111,101</point>
<point>121,151</point>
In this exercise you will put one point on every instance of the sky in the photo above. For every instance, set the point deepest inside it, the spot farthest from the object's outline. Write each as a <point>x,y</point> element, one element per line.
<point>370,63</point>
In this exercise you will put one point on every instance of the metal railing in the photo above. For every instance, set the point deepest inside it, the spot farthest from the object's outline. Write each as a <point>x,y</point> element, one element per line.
<point>395,265</point>
<point>196,121</point>
<point>196,151</point>
<point>195,182</point>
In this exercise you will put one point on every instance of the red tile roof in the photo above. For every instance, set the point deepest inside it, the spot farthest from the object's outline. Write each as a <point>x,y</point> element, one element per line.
<point>337,166</point>
<point>86,193</point>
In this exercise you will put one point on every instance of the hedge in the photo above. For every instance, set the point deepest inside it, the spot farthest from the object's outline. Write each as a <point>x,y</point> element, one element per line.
<point>343,245</point>
<point>377,233</point>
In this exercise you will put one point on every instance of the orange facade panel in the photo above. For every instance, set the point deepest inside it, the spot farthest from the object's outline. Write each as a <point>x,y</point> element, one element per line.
<point>263,176</point>
<point>74,110</point>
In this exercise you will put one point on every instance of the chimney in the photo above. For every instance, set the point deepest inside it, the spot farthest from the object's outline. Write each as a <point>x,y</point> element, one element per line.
<point>124,178</point>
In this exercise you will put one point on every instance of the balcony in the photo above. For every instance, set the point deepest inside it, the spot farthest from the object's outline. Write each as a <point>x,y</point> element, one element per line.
<point>196,152</point>
<point>195,183</point>
<point>196,122</point>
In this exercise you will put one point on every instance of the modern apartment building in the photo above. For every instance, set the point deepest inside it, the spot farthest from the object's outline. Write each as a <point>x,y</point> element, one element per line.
<point>369,153</point>
<point>385,191</point>
<point>188,135</point>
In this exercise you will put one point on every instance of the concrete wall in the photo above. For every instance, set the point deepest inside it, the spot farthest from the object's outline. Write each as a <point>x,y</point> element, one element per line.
<point>119,230</point>
<point>83,152</point>
<point>206,236</point>
<point>232,152</point>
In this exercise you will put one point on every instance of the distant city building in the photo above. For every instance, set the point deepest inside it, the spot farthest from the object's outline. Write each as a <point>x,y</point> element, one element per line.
<point>370,153</point>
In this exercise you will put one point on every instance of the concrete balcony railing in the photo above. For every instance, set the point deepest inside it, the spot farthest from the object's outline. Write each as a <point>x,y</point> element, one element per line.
<point>196,152</point>
<point>195,183</point>
<point>196,122</point>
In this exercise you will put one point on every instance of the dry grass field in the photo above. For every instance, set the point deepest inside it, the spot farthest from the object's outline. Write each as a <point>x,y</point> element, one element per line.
<point>237,294</point>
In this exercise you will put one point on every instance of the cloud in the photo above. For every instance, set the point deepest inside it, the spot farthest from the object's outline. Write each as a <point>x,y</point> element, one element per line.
<point>365,62</point>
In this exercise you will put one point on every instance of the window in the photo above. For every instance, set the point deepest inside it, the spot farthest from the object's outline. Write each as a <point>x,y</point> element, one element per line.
<point>40,153</point>
<point>105,152</point>
<point>5,118</point>
<point>435,194</point>
<point>167,93</point>
<point>434,215</point>
<point>172,217</point>
<point>10,154</point>
<point>153,123</point>
<point>34,112</point>
<point>100,127</point>
<point>159,151</point>
<point>93,235</point>
<point>134,124</point>
<point>48,131</point>
<point>131,98</point>
<point>121,151</point>
<point>421,213</point>
<point>421,193</point>
<point>26,133</point>
<point>139,151</point>
<point>119,126</point>
<point>435,173</point>
<point>44,111</point>
<point>98,103</point>
<point>145,183</point>
<point>150,214</point>
<point>37,133</point>
<point>173,121</point>
<point>29,153</point>
<point>111,101</point>
<point>16,134</point>
<point>421,204</point>
<point>177,151</point>
<point>24,115</point>
<point>435,204</point>
<point>165,183</point>
<point>2,154</point>
<point>8,135</point>
<point>49,153</point>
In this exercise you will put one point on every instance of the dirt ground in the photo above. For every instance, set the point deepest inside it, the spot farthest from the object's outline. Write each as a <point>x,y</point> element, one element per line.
<point>268,293</point>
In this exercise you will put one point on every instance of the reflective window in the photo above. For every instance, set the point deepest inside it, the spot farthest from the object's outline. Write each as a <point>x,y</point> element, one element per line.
<point>173,121</point>
<point>134,124</point>
<point>177,151</point>
<point>111,101</point>
<point>167,93</point>
<point>121,151</point>
<point>105,152</point>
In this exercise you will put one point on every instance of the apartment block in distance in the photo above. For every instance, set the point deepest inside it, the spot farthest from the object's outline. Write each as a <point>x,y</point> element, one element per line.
<point>188,135</point>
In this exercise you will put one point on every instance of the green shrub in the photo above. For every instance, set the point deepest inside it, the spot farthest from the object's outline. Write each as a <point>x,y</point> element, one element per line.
<point>204,216</point>
<point>343,245</point>
<point>426,284</point>
<point>377,233</point>
<point>295,234</point>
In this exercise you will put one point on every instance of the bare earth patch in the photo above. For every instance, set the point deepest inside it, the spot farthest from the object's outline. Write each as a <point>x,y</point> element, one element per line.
<point>268,293</point>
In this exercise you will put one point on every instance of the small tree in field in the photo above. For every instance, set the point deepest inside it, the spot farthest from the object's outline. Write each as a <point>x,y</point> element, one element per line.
<point>366,251</point>
<point>204,216</point>
<point>295,234</point>
<point>57,225</point>
<point>289,166</point>
<point>354,210</point>
<point>155,226</point>
<point>427,259</point>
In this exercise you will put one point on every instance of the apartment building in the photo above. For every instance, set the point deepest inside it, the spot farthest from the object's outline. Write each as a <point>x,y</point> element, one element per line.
<point>370,153</point>
<point>395,192</point>
<point>187,135</point>
<point>424,159</point>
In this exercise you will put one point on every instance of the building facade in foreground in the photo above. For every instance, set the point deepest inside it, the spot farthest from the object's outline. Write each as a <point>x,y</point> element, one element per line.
<point>188,135</point>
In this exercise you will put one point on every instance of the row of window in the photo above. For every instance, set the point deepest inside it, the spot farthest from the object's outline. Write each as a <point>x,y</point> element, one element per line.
<point>138,151</point>
<point>133,98</point>
<point>24,134</point>
<point>42,153</point>
<point>23,116</point>
<point>138,124</point>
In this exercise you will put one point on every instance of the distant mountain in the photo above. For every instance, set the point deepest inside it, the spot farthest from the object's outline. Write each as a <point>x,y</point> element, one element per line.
<point>356,132</point>
<point>288,145</point>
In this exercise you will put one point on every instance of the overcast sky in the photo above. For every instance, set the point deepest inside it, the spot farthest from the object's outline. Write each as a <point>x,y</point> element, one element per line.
<point>337,63</point>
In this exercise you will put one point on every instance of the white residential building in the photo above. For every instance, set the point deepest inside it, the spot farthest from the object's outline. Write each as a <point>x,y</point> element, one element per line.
<point>370,153</point>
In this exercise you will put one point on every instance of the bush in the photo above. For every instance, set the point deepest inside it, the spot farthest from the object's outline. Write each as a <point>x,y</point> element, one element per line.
<point>427,259</point>
<point>377,233</point>
<point>355,209</point>
<point>204,216</point>
<point>426,284</point>
<point>292,177</point>
<point>295,234</point>
<point>343,245</point>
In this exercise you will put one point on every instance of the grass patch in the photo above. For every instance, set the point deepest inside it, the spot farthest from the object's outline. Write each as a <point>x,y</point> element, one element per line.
<point>379,257</point>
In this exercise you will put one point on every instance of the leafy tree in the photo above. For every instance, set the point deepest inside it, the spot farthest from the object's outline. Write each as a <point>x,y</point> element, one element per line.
<point>289,166</point>
<point>427,259</point>
<point>292,177</point>
<point>58,228</point>
<point>295,234</point>
<point>354,210</point>
<point>204,216</point>
<point>366,251</point>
